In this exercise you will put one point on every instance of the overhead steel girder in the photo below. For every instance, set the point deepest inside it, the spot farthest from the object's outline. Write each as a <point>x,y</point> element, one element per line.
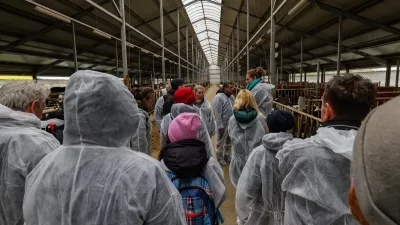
<point>99,64</point>
<point>54,26</point>
<point>227,6</point>
<point>376,59</point>
<point>70,56</point>
<point>305,52</point>
<point>207,18</point>
<point>355,17</point>
<point>376,43</point>
<point>366,4</point>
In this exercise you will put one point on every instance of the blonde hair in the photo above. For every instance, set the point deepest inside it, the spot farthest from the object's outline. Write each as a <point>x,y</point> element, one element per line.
<point>245,100</point>
<point>197,87</point>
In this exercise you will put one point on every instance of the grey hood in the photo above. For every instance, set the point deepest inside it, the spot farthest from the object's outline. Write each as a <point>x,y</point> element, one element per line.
<point>99,110</point>
<point>179,108</point>
<point>11,118</point>
<point>339,141</point>
<point>264,86</point>
<point>275,141</point>
<point>244,126</point>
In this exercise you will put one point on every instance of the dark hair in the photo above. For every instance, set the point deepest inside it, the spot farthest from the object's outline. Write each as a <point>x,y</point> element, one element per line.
<point>351,96</point>
<point>142,93</point>
<point>226,84</point>
<point>256,73</point>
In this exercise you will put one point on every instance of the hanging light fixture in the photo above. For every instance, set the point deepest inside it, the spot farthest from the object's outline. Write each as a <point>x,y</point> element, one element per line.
<point>145,51</point>
<point>101,33</point>
<point>296,7</point>
<point>52,14</point>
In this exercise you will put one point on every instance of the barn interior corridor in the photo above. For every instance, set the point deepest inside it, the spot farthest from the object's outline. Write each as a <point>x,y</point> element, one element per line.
<point>228,207</point>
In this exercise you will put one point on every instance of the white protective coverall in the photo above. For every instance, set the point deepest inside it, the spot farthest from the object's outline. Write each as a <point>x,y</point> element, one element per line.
<point>206,116</point>
<point>22,145</point>
<point>245,137</point>
<point>316,175</point>
<point>93,178</point>
<point>158,112</point>
<point>263,94</point>
<point>223,110</point>
<point>259,197</point>
<point>180,108</point>
<point>141,140</point>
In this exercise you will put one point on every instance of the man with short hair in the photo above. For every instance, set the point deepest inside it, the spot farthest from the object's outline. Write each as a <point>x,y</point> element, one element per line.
<point>164,103</point>
<point>205,109</point>
<point>316,170</point>
<point>223,110</point>
<point>22,143</point>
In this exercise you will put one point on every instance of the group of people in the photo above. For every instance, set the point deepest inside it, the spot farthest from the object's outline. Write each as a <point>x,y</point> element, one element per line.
<point>103,172</point>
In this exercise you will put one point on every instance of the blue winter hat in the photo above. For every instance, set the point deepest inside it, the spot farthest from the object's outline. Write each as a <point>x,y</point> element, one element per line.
<point>280,121</point>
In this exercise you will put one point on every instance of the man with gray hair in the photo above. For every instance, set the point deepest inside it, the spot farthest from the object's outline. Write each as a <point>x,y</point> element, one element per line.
<point>22,144</point>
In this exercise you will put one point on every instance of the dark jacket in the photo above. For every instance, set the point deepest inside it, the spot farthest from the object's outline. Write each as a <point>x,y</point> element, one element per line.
<point>169,100</point>
<point>185,158</point>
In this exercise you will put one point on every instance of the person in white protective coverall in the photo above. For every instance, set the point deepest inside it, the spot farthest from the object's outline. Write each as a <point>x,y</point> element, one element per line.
<point>93,178</point>
<point>223,110</point>
<point>141,140</point>
<point>246,128</point>
<point>22,144</point>
<point>186,156</point>
<point>259,197</point>
<point>316,170</point>
<point>205,109</point>
<point>184,100</point>
<point>262,91</point>
<point>164,103</point>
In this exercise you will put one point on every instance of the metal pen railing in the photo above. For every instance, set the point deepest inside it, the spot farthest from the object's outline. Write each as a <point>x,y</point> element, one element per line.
<point>305,126</point>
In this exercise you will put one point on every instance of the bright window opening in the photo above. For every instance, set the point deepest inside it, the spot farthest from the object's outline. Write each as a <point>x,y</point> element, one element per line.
<point>205,17</point>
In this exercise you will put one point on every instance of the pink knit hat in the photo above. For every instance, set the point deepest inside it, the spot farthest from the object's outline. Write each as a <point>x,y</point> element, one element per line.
<point>184,126</point>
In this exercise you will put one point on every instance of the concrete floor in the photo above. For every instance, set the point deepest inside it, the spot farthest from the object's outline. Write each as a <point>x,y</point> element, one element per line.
<point>228,207</point>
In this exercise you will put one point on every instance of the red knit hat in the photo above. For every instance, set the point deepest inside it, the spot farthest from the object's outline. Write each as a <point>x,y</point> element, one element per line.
<point>185,95</point>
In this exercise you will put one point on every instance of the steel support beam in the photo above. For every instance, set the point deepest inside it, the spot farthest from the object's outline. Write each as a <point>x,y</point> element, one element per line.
<point>123,38</point>
<point>397,74</point>
<point>179,44</point>
<point>140,71</point>
<point>154,75</point>
<point>69,57</point>
<point>272,46</point>
<point>192,61</point>
<point>233,65</point>
<point>187,54</point>
<point>356,17</point>
<point>339,46</point>
<point>388,73</point>
<point>301,59</point>
<point>237,45</point>
<point>248,35</point>
<point>281,74</point>
<point>116,57</point>
<point>376,59</point>
<point>74,47</point>
<point>318,73</point>
<point>53,26</point>
<point>305,52</point>
<point>162,42</point>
